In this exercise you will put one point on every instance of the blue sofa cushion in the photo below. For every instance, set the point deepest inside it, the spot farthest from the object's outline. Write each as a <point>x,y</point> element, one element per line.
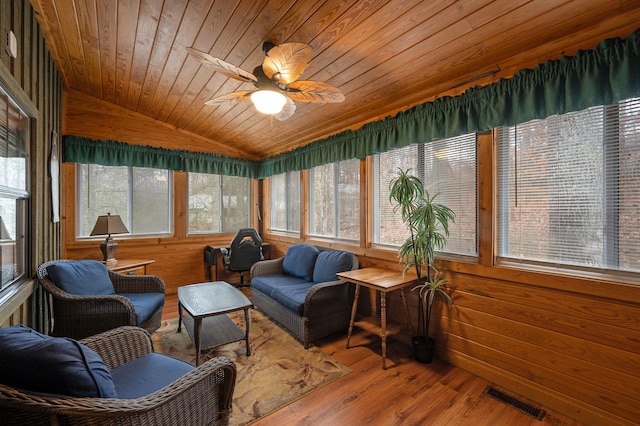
<point>144,304</point>
<point>266,283</point>
<point>147,374</point>
<point>40,363</point>
<point>300,260</point>
<point>291,296</point>
<point>329,263</point>
<point>81,277</point>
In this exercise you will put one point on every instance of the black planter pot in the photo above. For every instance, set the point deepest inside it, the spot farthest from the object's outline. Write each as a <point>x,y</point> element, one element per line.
<point>423,349</point>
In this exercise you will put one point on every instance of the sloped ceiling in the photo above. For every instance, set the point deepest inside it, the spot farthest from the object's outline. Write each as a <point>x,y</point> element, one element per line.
<point>385,56</point>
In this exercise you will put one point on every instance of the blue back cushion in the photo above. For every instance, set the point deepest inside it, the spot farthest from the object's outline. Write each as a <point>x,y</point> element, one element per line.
<point>329,263</point>
<point>300,260</point>
<point>40,363</point>
<point>81,277</point>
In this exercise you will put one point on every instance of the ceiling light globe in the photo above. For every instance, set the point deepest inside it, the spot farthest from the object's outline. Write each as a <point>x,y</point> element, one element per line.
<point>268,101</point>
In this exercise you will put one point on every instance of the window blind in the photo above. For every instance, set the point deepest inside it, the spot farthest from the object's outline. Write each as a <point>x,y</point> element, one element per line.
<point>448,168</point>
<point>569,189</point>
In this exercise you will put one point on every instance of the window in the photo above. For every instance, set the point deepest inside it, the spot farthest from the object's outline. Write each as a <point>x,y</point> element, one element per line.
<point>569,189</point>
<point>14,189</point>
<point>334,199</point>
<point>448,168</point>
<point>285,202</point>
<point>218,203</point>
<point>141,196</point>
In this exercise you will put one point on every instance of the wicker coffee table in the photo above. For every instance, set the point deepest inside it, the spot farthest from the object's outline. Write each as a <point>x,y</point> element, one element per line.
<point>206,321</point>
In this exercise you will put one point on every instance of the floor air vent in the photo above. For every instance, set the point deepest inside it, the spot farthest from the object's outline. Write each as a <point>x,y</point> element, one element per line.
<point>515,403</point>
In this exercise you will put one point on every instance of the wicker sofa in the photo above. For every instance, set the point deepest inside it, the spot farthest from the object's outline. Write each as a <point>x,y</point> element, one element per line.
<point>302,293</point>
<point>65,383</point>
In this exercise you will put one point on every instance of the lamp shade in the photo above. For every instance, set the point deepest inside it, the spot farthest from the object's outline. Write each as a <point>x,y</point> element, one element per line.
<point>268,101</point>
<point>109,224</point>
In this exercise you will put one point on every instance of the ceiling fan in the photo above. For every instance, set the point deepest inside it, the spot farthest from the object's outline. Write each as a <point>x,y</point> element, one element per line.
<point>276,80</point>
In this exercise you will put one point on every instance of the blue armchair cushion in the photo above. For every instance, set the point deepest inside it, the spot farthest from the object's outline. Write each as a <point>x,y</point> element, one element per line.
<point>300,260</point>
<point>144,304</point>
<point>147,374</point>
<point>329,263</point>
<point>81,277</point>
<point>40,363</point>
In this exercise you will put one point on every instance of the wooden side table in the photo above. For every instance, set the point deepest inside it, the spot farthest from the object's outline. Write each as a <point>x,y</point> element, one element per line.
<point>131,266</point>
<point>384,281</point>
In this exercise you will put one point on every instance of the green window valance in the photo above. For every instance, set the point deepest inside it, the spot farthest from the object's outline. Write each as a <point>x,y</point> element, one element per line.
<point>605,75</point>
<point>112,153</point>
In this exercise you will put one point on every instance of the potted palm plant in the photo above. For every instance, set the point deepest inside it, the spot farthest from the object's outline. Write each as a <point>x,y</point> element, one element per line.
<point>428,224</point>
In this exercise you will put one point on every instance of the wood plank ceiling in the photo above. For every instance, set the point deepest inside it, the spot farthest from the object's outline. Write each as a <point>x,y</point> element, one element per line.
<point>385,56</point>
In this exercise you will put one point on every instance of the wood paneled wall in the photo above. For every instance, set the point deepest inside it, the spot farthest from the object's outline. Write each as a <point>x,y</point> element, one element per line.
<point>33,81</point>
<point>93,118</point>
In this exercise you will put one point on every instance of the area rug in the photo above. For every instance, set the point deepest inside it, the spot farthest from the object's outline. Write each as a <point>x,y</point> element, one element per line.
<point>278,371</point>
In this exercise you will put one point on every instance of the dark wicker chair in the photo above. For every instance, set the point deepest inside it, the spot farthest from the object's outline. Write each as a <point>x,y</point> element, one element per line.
<point>81,316</point>
<point>201,397</point>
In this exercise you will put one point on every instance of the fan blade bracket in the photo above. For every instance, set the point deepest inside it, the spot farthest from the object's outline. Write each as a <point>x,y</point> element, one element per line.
<point>267,46</point>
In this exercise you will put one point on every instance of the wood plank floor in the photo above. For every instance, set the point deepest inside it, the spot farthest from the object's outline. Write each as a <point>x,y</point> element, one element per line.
<point>407,393</point>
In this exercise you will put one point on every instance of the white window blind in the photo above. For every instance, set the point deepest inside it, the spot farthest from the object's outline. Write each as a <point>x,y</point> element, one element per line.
<point>334,199</point>
<point>569,189</point>
<point>140,195</point>
<point>14,189</point>
<point>285,202</point>
<point>448,167</point>
<point>218,203</point>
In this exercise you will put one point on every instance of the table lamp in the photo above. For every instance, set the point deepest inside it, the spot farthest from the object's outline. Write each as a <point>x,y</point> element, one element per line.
<point>107,225</point>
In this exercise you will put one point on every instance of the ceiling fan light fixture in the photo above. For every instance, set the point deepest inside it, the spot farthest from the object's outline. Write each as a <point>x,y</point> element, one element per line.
<point>268,101</point>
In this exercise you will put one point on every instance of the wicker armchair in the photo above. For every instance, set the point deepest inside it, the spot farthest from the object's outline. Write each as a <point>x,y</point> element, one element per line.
<point>203,396</point>
<point>81,316</point>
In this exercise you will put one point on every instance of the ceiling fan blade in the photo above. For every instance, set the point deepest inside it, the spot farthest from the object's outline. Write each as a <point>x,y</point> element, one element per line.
<point>285,63</point>
<point>287,111</point>
<point>221,66</point>
<point>314,91</point>
<point>242,96</point>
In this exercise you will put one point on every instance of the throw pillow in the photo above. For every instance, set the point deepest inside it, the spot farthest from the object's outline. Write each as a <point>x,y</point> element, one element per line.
<point>40,363</point>
<point>300,260</point>
<point>81,277</point>
<point>329,263</point>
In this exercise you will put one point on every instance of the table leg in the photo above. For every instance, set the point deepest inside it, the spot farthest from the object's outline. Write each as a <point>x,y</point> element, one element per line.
<point>179,316</point>
<point>354,308</point>
<point>383,324</point>
<point>197,328</point>
<point>406,310</point>
<point>247,319</point>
